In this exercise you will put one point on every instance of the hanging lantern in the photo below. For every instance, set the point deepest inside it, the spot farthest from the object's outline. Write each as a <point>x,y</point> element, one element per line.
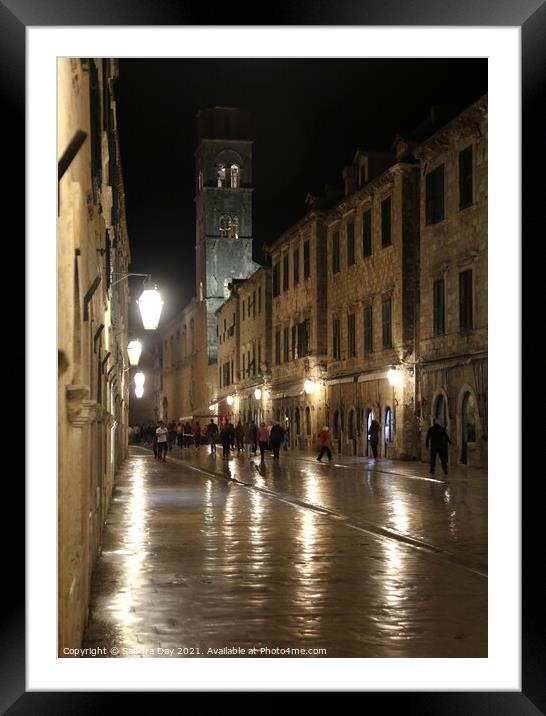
<point>309,386</point>
<point>134,349</point>
<point>139,391</point>
<point>139,379</point>
<point>258,393</point>
<point>394,376</point>
<point>229,400</point>
<point>151,305</point>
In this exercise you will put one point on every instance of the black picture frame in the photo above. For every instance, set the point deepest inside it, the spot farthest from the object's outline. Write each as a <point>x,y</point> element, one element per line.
<point>530,16</point>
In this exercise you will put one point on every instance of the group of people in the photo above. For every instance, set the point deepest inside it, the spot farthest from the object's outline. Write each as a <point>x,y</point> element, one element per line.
<point>243,438</point>
<point>246,438</point>
<point>437,437</point>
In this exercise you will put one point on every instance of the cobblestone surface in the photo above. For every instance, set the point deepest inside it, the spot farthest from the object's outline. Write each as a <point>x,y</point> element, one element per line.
<point>356,558</point>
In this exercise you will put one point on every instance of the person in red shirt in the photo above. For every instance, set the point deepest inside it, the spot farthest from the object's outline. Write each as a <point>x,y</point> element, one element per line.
<point>324,440</point>
<point>197,435</point>
<point>263,439</point>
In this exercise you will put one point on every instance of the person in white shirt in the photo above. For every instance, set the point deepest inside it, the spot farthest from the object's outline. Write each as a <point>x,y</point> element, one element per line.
<point>162,443</point>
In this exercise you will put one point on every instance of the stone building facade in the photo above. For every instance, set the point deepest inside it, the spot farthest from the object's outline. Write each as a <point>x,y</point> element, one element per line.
<point>188,379</point>
<point>93,256</point>
<point>229,327</point>
<point>298,329</point>
<point>452,381</point>
<point>244,350</point>
<point>375,303</point>
<point>373,242</point>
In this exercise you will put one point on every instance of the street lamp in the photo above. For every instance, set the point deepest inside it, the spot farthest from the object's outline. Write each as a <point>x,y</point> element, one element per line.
<point>150,302</point>
<point>151,305</point>
<point>134,349</point>
<point>309,386</point>
<point>258,393</point>
<point>394,376</point>
<point>139,391</point>
<point>139,379</point>
<point>229,400</point>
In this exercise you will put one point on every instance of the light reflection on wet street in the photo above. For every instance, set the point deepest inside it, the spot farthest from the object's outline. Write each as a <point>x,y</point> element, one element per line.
<point>357,558</point>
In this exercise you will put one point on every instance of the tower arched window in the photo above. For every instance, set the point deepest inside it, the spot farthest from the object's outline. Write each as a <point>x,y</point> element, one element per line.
<point>235,227</point>
<point>221,174</point>
<point>235,176</point>
<point>222,229</point>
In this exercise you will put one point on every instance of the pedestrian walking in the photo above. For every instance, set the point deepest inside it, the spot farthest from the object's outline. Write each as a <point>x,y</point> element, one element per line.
<point>225,439</point>
<point>248,438</point>
<point>240,436</point>
<point>373,436</point>
<point>276,437</point>
<point>162,441</point>
<point>187,434</point>
<point>324,441</point>
<point>171,435</point>
<point>154,441</point>
<point>212,432</point>
<point>179,433</point>
<point>231,431</point>
<point>438,438</point>
<point>254,436</point>
<point>263,439</point>
<point>197,434</point>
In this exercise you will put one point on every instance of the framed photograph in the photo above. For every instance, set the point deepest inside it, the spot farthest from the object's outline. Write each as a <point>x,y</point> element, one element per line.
<point>503,673</point>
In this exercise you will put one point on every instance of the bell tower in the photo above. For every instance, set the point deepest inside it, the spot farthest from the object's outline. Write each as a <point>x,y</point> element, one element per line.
<point>223,201</point>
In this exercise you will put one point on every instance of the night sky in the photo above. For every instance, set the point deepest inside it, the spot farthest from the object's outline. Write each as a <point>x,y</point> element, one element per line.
<point>307,118</point>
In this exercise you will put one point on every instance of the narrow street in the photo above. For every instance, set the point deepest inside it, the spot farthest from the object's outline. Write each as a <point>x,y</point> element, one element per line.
<point>203,557</point>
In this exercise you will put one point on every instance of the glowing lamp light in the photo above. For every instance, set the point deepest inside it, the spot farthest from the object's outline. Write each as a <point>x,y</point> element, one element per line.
<point>258,393</point>
<point>309,386</point>
<point>134,349</point>
<point>139,391</point>
<point>394,376</point>
<point>150,304</point>
<point>229,400</point>
<point>212,407</point>
<point>139,380</point>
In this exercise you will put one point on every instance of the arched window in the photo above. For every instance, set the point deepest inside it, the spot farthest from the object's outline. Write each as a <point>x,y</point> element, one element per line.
<point>221,174</point>
<point>369,418</point>
<point>308,421</point>
<point>222,226</point>
<point>235,176</point>
<point>278,415</point>
<point>351,427</point>
<point>388,426</point>
<point>298,426</point>
<point>235,227</point>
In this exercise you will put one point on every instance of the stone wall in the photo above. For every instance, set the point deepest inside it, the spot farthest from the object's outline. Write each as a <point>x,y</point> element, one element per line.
<point>453,365</point>
<point>93,253</point>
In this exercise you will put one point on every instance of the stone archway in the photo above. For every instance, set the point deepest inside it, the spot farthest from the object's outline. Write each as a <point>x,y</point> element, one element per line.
<point>351,430</point>
<point>467,418</point>
<point>367,424</point>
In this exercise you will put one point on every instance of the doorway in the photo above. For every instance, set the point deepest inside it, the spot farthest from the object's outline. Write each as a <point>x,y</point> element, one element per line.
<point>468,425</point>
<point>351,429</point>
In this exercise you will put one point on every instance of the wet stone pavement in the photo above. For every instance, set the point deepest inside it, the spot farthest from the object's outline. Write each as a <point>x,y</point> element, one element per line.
<point>358,558</point>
